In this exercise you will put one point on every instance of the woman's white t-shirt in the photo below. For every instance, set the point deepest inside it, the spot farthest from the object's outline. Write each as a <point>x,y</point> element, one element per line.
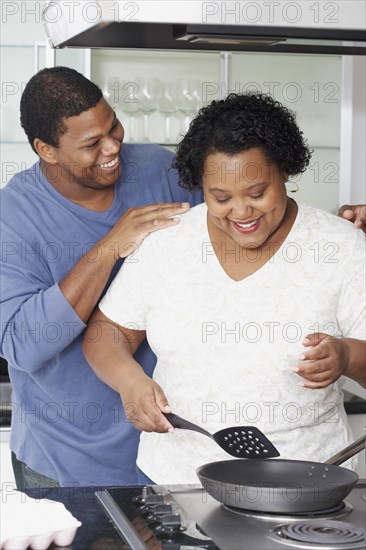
<point>225,349</point>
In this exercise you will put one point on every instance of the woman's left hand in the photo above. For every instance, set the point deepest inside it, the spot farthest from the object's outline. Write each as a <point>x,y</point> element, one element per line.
<point>324,363</point>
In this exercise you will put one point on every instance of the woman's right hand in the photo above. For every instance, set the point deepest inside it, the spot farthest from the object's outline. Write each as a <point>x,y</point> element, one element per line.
<point>144,402</point>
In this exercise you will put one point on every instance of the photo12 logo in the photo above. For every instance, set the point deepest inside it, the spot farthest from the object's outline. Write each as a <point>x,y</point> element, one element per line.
<point>71,11</point>
<point>271,13</point>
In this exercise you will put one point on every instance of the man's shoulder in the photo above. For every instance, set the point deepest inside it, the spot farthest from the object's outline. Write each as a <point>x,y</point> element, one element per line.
<point>20,182</point>
<point>21,199</point>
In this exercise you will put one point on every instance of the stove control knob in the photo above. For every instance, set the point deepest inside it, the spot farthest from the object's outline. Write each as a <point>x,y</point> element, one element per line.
<point>150,502</point>
<point>170,527</point>
<point>162,509</point>
<point>141,499</point>
<point>153,500</point>
<point>158,511</point>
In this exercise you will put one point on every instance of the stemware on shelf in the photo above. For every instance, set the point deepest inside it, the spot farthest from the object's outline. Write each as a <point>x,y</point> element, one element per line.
<point>189,100</point>
<point>129,103</point>
<point>148,94</point>
<point>111,91</point>
<point>168,105</point>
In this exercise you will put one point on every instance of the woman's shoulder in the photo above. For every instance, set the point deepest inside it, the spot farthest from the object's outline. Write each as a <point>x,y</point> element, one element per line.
<point>325,225</point>
<point>180,238</point>
<point>193,222</point>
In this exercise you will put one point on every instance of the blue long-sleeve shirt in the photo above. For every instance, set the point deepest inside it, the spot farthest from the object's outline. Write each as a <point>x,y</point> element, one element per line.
<point>67,424</point>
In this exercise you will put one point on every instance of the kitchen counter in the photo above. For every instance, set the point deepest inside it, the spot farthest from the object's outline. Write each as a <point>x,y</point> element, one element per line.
<point>97,531</point>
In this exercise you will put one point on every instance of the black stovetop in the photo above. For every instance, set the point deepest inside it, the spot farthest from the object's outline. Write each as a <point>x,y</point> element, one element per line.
<point>195,520</point>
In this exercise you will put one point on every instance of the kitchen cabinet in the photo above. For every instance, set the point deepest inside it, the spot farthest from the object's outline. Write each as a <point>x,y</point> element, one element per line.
<point>325,91</point>
<point>20,33</point>
<point>308,85</point>
<point>24,50</point>
<point>118,74</point>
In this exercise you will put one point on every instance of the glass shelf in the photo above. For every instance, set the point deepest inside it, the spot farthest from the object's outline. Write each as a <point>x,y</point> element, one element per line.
<point>17,46</point>
<point>122,55</point>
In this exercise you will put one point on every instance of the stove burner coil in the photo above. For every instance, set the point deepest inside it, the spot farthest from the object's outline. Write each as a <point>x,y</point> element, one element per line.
<point>343,508</point>
<point>321,532</point>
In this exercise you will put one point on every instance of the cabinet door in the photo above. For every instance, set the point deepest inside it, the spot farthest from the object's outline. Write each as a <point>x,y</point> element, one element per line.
<point>24,50</point>
<point>183,80</point>
<point>20,53</point>
<point>310,86</point>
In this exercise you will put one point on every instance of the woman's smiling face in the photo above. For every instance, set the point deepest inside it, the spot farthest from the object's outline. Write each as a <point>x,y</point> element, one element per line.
<point>246,197</point>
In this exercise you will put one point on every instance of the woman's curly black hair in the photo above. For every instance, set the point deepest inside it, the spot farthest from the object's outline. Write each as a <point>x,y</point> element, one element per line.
<point>236,124</point>
<point>49,97</point>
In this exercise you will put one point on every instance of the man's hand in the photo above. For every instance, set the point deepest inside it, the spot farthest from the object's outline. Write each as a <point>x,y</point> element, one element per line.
<point>136,224</point>
<point>324,363</point>
<point>355,214</point>
<point>144,402</point>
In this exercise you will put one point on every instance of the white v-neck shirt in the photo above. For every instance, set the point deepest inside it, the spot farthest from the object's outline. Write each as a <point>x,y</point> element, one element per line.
<point>226,348</point>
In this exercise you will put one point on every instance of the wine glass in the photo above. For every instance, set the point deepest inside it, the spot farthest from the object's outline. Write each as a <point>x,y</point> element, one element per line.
<point>168,105</point>
<point>111,91</point>
<point>148,95</point>
<point>130,105</point>
<point>189,100</point>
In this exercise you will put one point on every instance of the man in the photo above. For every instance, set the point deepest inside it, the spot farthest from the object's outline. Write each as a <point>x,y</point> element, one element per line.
<point>67,223</point>
<point>355,213</point>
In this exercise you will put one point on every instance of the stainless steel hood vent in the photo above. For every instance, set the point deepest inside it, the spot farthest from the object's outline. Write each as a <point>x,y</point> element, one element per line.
<point>289,27</point>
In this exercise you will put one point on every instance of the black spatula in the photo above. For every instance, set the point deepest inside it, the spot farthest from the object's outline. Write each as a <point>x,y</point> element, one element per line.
<point>238,441</point>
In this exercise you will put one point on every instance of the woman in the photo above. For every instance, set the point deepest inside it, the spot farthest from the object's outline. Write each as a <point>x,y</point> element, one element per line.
<point>249,304</point>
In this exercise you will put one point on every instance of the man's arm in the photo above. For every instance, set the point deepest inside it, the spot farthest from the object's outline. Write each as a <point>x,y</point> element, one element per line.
<point>40,318</point>
<point>84,284</point>
<point>109,350</point>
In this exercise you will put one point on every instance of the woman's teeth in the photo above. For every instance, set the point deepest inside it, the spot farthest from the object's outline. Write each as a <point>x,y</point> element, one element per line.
<point>108,164</point>
<point>246,225</point>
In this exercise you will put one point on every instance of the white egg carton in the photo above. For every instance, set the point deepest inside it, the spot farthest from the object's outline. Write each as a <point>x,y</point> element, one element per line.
<point>31,523</point>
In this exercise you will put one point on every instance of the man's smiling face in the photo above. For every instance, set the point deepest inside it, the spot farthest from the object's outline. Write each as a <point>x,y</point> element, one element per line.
<point>88,152</point>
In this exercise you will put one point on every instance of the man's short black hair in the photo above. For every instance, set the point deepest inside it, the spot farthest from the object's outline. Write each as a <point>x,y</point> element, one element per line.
<point>49,97</point>
<point>236,124</point>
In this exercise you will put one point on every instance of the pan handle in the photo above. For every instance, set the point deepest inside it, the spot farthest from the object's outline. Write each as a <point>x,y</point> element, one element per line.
<point>348,452</point>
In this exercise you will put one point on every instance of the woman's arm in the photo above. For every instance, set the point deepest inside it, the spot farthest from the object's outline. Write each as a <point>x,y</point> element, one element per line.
<point>109,350</point>
<point>329,358</point>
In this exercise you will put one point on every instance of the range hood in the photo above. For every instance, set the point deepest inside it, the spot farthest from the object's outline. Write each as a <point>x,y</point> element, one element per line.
<point>301,26</point>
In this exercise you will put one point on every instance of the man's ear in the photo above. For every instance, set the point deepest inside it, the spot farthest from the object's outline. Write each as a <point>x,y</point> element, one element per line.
<point>45,151</point>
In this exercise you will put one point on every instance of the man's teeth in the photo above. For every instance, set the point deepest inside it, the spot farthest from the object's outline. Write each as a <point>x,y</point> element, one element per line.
<point>246,225</point>
<point>108,164</point>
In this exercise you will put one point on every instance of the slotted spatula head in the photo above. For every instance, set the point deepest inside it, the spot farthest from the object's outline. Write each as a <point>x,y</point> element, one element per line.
<point>238,441</point>
<point>245,442</point>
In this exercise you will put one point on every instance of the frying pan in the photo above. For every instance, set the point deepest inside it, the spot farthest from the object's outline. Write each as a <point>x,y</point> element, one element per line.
<point>281,486</point>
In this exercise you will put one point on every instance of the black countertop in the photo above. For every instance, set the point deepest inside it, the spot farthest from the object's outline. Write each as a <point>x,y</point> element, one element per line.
<point>97,531</point>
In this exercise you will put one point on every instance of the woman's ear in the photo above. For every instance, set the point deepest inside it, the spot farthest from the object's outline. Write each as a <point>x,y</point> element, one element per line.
<point>295,187</point>
<point>45,151</point>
